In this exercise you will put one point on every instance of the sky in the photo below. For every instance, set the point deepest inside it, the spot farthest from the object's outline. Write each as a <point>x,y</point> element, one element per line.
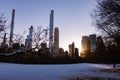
<point>72,17</point>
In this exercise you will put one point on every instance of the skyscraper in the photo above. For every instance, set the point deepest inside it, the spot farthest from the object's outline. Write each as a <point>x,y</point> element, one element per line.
<point>56,40</point>
<point>72,50</point>
<point>3,44</point>
<point>100,46</point>
<point>85,45</point>
<point>99,42</point>
<point>92,38</point>
<point>28,42</point>
<point>51,26</point>
<point>12,28</point>
<point>30,36</point>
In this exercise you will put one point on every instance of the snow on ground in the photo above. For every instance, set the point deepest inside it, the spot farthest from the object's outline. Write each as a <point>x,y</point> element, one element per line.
<point>54,72</point>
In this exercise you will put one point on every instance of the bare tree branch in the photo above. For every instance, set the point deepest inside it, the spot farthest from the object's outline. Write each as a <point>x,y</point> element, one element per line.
<point>106,17</point>
<point>19,38</point>
<point>40,35</point>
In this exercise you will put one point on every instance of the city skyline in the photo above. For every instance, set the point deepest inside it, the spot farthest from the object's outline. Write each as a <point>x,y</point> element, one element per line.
<point>72,17</point>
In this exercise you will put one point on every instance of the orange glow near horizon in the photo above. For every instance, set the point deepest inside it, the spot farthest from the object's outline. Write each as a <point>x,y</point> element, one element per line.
<point>77,45</point>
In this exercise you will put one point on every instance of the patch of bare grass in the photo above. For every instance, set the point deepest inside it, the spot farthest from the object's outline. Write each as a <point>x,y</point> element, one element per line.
<point>89,78</point>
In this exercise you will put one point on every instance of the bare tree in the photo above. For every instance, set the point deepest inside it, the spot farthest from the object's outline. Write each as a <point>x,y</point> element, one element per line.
<point>19,38</point>
<point>40,35</point>
<point>2,22</point>
<point>3,26</point>
<point>106,17</point>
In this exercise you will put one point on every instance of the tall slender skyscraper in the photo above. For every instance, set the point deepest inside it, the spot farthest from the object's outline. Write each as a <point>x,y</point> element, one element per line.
<point>51,26</point>
<point>12,27</point>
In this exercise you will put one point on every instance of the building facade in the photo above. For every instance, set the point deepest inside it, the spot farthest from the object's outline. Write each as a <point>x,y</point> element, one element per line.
<point>85,46</point>
<point>28,42</point>
<point>56,41</point>
<point>72,50</point>
<point>92,38</point>
<point>43,45</point>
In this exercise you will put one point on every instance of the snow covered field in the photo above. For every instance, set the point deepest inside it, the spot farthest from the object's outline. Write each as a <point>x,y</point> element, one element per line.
<point>56,72</point>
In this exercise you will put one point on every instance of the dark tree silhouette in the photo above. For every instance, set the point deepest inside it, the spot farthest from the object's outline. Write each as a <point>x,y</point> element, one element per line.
<point>106,17</point>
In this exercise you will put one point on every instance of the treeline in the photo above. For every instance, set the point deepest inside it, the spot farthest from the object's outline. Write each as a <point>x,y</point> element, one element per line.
<point>32,57</point>
<point>109,54</point>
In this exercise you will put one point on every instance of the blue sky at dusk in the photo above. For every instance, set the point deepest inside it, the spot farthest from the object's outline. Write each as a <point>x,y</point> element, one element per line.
<point>71,16</point>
